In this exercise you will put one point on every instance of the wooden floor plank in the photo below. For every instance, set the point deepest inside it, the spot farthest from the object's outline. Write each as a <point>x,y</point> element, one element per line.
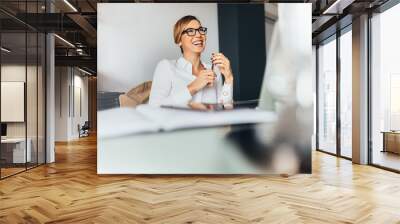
<point>70,191</point>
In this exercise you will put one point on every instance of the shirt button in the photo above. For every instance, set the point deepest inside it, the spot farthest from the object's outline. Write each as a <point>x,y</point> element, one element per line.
<point>225,93</point>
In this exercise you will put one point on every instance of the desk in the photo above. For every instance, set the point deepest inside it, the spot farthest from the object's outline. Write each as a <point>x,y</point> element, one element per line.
<point>15,148</point>
<point>391,141</point>
<point>217,150</point>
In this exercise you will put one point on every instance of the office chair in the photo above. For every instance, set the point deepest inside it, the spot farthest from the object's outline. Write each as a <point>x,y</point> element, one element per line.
<point>84,130</point>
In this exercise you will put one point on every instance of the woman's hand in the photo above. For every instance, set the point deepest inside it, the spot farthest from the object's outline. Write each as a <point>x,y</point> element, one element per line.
<point>204,78</point>
<point>224,66</point>
<point>201,106</point>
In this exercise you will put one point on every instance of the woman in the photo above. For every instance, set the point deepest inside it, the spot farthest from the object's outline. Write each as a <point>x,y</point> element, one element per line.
<point>188,79</point>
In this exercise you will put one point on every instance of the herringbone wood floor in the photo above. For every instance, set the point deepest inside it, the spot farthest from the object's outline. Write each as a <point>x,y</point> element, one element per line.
<point>69,191</point>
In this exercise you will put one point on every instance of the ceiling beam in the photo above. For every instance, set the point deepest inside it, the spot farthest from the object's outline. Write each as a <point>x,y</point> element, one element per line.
<point>83,23</point>
<point>82,61</point>
<point>337,7</point>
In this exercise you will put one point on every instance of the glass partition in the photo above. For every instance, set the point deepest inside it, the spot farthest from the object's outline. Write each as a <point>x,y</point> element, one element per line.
<point>22,78</point>
<point>14,153</point>
<point>31,100</point>
<point>327,96</point>
<point>34,68</point>
<point>346,94</point>
<point>41,107</point>
<point>335,94</point>
<point>385,89</point>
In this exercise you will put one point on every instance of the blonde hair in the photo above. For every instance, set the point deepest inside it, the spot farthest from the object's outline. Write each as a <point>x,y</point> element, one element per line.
<point>180,26</point>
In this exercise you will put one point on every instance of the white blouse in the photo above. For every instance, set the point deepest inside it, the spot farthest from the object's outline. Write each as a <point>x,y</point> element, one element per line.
<point>170,82</point>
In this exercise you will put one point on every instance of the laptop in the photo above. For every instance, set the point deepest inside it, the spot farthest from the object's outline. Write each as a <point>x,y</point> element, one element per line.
<point>215,106</point>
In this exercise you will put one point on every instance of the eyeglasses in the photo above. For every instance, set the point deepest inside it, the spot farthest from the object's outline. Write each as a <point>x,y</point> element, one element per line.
<point>192,32</point>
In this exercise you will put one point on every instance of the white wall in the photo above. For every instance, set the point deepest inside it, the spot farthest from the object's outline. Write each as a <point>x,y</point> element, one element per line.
<point>133,38</point>
<point>12,73</point>
<point>61,103</point>
<point>67,120</point>
<point>80,83</point>
<point>12,100</point>
<point>33,126</point>
<point>15,73</point>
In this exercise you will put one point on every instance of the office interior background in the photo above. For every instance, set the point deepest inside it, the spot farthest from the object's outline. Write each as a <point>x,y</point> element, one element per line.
<point>49,91</point>
<point>48,60</point>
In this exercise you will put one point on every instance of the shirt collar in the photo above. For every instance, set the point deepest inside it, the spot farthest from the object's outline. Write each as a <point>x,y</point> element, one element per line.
<point>186,65</point>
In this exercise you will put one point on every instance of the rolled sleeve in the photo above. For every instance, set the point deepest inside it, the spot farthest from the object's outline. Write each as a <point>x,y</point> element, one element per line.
<point>226,95</point>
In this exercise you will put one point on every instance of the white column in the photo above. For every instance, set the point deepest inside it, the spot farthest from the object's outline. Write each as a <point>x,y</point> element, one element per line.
<point>50,100</point>
<point>360,90</point>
